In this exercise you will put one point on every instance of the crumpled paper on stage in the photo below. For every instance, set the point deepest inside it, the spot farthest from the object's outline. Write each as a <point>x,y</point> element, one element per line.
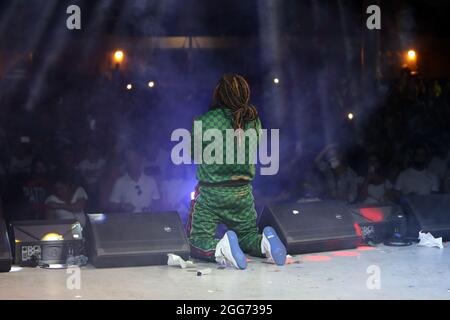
<point>427,240</point>
<point>177,261</point>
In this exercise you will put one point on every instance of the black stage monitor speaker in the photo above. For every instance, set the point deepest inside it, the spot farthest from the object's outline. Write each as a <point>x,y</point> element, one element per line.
<point>135,239</point>
<point>379,222</point>
<point>46,241</point>
<point>428,213</point>
<point>5,249</point>
<point>312,227</point>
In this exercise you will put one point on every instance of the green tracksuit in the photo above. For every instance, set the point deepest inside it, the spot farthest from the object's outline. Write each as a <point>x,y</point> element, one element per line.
<point>224,194</point>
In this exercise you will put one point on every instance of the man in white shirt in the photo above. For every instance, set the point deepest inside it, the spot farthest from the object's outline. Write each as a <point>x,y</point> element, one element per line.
<point>417,179</point>
<point>134,191</point>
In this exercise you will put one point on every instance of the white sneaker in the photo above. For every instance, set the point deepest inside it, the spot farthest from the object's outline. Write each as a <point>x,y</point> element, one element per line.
<point>272,246</point>
<point>229,253</point>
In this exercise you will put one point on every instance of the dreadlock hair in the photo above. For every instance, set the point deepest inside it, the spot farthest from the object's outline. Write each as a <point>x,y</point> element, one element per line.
<point>233,92</point>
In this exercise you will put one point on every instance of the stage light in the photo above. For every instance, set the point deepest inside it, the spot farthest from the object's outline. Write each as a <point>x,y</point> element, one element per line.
<point>192,195</point>
<point>129,86</point>
<point>276,80</point>
<point>412,55</point>
<point>350,116</point>
<point>118,56</point>
<point>151,84</point>
<point>52,237</point>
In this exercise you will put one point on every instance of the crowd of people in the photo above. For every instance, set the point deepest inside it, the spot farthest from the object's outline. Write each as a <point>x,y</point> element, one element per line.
<point>402,149</point>
<point>88,157</point>
<point>65,167</point>
<point>33,188</point>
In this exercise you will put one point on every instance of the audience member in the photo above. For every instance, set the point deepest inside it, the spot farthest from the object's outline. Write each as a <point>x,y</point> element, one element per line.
<point>91,169</point>
<point>36,189</point>
<point>341,180</point>
<point>417,179</point>
<point>134,191</point>
<point>67,164</point>
<point>67,201</point>
<point>375,187</point>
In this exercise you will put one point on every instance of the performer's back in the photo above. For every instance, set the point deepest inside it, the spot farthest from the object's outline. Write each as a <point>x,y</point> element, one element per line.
<point>222,119</point>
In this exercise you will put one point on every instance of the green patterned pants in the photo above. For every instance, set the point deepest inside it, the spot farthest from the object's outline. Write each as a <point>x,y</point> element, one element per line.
<point>232,206</point>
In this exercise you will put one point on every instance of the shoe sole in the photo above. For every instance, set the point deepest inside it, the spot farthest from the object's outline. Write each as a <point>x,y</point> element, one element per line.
<point>277,248</point>
<point>236,251</point>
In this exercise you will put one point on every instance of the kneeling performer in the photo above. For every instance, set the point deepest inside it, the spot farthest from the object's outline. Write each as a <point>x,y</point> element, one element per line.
<point>224,193</point>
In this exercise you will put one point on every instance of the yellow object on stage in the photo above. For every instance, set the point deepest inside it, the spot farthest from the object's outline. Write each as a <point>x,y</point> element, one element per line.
<point>52,237</point>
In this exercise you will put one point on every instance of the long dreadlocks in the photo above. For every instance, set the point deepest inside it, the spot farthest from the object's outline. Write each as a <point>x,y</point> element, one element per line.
<point>233,92</point>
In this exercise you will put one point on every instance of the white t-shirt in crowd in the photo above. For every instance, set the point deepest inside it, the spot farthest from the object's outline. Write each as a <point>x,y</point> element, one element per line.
<point>64,214</point>
<point>139,193</point>
<point>91,171</point>
<point>376,193</point>
<point>412,181</point>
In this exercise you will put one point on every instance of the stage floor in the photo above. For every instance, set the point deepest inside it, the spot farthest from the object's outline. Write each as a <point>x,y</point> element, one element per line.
<point>405,273</point>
